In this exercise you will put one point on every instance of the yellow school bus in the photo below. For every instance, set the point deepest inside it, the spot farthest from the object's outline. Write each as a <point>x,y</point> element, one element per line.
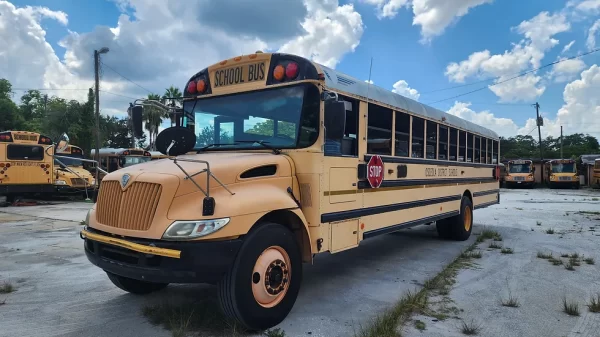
<point>520,173</point>
<point>116,159</point>
<point>69,173</point>
<point>25,163</point>
<point>293,159</point>
<point>562,173</point>
<point>596,173</point>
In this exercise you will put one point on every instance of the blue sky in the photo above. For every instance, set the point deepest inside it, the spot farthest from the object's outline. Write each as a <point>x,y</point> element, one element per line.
<point>396,45</point>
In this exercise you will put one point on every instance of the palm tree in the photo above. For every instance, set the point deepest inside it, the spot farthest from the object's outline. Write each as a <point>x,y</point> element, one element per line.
<point>153,117</point>
<point>171,98</point>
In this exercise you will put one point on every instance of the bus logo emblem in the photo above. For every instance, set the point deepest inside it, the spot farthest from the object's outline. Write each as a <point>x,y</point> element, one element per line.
<point>124,180</point>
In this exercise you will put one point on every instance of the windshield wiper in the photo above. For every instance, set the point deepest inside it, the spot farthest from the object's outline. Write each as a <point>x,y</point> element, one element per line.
<point>261,142</point>
<point>214,144</point>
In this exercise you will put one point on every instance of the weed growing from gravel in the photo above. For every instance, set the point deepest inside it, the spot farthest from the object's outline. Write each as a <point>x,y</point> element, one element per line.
<point>571,308</point>
<point>594,305</point>
<point>470,329</point>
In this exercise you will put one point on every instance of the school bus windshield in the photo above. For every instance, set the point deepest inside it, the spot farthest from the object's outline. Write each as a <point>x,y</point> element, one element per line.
<point>132,160</point>
<point>71,161</point>
<point>563,168</point>
<point>519,168</point>
<point>285,117</point>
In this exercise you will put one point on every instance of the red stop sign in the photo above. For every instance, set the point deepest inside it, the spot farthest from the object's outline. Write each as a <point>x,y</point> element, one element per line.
<point>375,171</point>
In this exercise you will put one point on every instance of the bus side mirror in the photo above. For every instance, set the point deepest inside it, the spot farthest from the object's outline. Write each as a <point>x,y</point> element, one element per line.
<point>136,114</point>
<point>62,144</point>
<point>335,120</point>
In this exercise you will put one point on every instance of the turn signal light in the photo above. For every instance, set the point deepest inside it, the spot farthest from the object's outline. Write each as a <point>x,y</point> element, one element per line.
<point>279,73</point>
<point>1,164</point>
<point>201,86</point>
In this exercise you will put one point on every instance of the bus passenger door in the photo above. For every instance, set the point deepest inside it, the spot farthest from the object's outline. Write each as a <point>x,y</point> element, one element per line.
<point>341,172</point>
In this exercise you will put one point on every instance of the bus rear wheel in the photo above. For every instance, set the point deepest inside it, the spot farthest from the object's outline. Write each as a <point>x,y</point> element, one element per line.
<point>458,227</point>
<point>261,288</point>
<point>135,286</point>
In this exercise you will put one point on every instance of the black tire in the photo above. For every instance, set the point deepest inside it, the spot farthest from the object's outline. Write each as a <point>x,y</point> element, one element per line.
<point>454,228</point>
<point>135,286</point>
<point>235,289</point>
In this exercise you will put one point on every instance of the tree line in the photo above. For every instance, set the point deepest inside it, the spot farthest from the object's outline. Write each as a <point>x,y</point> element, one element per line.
<point>574,145</point>
<point>52,116</point>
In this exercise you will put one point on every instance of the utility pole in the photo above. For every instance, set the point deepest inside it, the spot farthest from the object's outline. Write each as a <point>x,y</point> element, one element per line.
<point>97,98</point>
<point>540,123</point>
<point>561,143</point>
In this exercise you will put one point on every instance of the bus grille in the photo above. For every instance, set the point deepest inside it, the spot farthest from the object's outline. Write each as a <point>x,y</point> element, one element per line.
<point>132,209</point>
<point>77,182</point>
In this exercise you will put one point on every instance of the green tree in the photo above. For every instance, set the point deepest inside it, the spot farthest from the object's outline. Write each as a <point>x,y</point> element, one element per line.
<point>207,135</point>
<point>153,118</point>
<point>170,93</point>
<point>266,128</point>
<point>10,118</point>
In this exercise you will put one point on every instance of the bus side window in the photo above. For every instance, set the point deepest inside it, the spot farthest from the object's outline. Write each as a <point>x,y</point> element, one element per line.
<point>402,134</point>
<point>350,140</point>
<point>418,137</point>
<point>379,133</point>
<point>469,147</point>
<point>335,121</point>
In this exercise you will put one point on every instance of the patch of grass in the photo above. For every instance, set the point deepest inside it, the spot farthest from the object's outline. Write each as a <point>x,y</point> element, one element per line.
<point>387,323</point>
<point>494,245</point>
<point>574,256</point>
<point>539,223</point>
<point>470,329</point>
<point>472,255</point>
<point>183,318</point>
<point>274,333</point>
<point>7,288</point>
<point>506,251</point>
<point>595,199</point>
<point>556,262</point>
<point>487,234</point>
<point>575,262</point>
<point>594,305</point>
<point>420,325</point>
<point>550,231</point>
<point>542,255</point>
<point>511,302</point>
<point>588,212</point>
<point>564,255</point>
<point>569,266</point>
<point>589,260</point>
<point>571,308</point>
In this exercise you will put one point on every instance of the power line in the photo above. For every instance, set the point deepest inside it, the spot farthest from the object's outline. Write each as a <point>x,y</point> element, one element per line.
<point>109,67</point>
<point>517,76</point>
<point>112,93</point>
<point>44,89</point>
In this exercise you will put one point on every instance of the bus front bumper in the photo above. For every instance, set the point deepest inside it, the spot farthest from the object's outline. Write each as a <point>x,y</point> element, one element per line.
<point>160,261</point>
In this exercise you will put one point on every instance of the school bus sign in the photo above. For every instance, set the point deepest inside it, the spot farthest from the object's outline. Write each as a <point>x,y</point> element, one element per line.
<point>375,171</point>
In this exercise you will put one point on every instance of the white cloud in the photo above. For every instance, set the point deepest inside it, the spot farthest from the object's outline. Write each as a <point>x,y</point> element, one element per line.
<point>505,127</point>
<point>164,42</point>
<point>401,87</point>
<point>524,55</point>
<point>592,6</point>
<point>591,39</point>
<point>567,47</point>
<point>432,15</point>
<point>330,31</point>
<point>566,70</point>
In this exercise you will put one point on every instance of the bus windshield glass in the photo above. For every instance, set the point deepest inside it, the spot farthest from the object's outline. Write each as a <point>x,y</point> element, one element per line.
<point>132,160</point>
<point>285,117</point>
<point>519,168</point>
<point>563,168</point>
<point>71,161</point>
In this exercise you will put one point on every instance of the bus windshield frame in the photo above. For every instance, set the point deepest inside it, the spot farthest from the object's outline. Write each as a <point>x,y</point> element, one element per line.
<point>519,168</point>
<point>563,167</point>
<point>283,117</point>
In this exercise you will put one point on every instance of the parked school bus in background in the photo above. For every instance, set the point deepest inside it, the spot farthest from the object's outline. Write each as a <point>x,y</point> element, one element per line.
<point>519,173</point>
<point>596,174</point>
<point>25,166</point>
<point>562,173</point>
<point>71,177</point>
<point>295,159</point>
<point>502,174</point>
<point>116,159</point>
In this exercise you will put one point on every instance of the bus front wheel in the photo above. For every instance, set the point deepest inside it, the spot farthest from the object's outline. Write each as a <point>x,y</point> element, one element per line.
<point>458,227</point>
<point>261,287</point>
<point>135,286</point>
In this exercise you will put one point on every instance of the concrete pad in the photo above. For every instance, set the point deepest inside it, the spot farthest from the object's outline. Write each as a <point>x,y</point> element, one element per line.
<point>538,285</point>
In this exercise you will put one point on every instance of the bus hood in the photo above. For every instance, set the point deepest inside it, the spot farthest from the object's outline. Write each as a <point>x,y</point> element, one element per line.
<point>227,167</point>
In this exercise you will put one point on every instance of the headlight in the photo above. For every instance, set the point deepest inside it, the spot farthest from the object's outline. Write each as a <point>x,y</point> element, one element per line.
<point>60,182</point>
<point>189,229</point>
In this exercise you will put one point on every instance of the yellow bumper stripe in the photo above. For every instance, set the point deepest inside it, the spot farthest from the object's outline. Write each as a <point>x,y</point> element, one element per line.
<point>176,254</point>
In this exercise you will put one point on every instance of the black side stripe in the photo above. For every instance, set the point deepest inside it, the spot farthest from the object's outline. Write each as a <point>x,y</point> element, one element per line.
<point>357,213</point>
<point>479,194</point>
<point>487,204</point>
<point>391,229</point>
<point>406,160</point>
<point>427,182</point>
